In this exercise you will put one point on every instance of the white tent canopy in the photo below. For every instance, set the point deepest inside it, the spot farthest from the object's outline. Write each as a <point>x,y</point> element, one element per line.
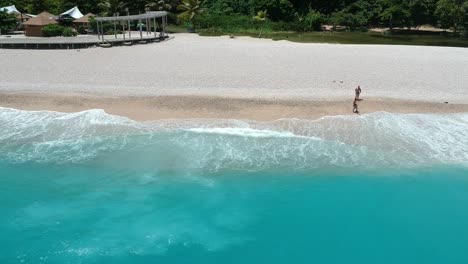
<point>10,9</point>
<point>74,12</point>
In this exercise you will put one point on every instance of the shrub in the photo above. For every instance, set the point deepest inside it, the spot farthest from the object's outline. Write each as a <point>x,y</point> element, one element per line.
<point>82,29</point>
<point>69,32</point>
<point>53,30</point>
<point>211,32</point>
<point>310,22</point>
<point>313,21</point>
<point>353,21</point>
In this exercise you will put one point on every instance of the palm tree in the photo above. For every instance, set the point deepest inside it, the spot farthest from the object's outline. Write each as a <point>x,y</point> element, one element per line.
<point>190,8</point>
<point>112,6</point>
<point>162,5</point>
<point>261,16</point>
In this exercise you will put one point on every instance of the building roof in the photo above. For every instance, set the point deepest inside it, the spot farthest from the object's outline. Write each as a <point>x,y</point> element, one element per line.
<point>23,16</point>
<point>74,12</point>
<point>10,9</point>
<point>84,19</point>
<point>40,20</point>
<point>47,14</point>
<point>152,14</point>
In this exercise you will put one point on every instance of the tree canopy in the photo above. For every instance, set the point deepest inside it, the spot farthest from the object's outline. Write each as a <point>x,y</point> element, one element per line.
<point>353,14</point>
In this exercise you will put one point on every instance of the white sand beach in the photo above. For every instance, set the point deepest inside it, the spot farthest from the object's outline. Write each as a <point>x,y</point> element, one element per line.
<point>248,68</point>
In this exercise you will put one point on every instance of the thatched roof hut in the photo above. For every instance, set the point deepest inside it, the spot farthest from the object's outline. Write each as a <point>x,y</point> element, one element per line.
<point>84,19</point>
<point>48,15</point>
<point>33,27</point>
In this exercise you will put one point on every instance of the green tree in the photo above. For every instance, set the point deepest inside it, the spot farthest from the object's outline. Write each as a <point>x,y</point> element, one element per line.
<point>190,10</point>
<point>112,6</point>
<point>395,13</point>
<point>357,15</point>
<point>37,6</point>
<point>228,7</point>
<point>277,9</point>
<point>20,4</point>
<point>311,21</point>
<point>465,16</point>
<point>161,5</point>
<point>452,14</point>
<point>262,16</point>
<point>323,6</point>
<point>7,22</point>
<point>422,12</point>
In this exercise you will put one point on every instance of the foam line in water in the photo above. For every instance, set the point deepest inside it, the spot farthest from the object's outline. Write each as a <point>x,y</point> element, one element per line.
<point>377,139</point>
<point>244,132</point>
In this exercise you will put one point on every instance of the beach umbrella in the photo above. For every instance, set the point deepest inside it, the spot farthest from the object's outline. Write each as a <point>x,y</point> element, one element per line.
<point>10,9</point>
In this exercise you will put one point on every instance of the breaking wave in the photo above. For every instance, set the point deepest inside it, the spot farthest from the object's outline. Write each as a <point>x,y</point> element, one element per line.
<point>371,140</point>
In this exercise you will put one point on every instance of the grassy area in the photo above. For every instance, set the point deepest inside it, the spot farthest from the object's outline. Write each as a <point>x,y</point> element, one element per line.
<point>176,29</point>
<point>342,37</point>
<point>358,38</point>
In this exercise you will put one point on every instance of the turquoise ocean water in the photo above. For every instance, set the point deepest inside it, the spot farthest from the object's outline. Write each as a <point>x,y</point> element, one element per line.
<point>94,188</point>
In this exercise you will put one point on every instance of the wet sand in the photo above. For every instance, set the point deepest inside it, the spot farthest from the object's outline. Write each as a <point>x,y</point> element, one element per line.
<point>184,107</point>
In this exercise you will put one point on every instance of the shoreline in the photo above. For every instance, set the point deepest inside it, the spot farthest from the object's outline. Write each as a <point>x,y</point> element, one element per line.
<point>244,67</point>
<point>148,108</point>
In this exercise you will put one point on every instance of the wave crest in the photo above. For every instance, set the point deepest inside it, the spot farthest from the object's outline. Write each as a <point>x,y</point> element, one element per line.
<point>377,139</point>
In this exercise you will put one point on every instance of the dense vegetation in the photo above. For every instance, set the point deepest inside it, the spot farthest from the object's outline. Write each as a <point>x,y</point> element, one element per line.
<point>54,30</point>
<point>278,15</point>
<point>7,22</point>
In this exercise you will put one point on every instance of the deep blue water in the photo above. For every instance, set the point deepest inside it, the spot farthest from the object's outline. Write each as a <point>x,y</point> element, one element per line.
<point>92,188</point>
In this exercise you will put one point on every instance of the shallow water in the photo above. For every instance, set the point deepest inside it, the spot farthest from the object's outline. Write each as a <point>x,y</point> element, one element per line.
<point>93,188</point>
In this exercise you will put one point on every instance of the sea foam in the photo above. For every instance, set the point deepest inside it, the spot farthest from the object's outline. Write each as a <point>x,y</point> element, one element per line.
<point>377,139</point>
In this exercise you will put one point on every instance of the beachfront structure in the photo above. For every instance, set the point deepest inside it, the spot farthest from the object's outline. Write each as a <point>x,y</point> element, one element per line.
<point>83,21</point>
<point>23,17</point>
<point>33,27</point>
<point>10,9</point>
<point>74,13</point>
<point>48,15</point>
<point>20,17</point>
<point>148,17</point>
<point>148,21</point>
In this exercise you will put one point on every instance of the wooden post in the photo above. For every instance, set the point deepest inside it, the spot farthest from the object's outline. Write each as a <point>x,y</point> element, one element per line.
<point>147,10</point>
<point>164,26</point>
<point>141,29</point>
<point>154,21</point>
<point>102,31</point>
<point>123,31</point>
<point>129,30</point>
<point>115,26</point>
<point>98,32</point>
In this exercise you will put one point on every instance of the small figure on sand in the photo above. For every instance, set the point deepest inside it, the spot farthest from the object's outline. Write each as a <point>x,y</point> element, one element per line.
<point>355,107</point>
<point>358,92</point>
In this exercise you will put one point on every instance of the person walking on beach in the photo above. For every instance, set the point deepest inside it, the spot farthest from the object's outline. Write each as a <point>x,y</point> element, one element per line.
<point>358,92</point>
<point>355,107</point>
